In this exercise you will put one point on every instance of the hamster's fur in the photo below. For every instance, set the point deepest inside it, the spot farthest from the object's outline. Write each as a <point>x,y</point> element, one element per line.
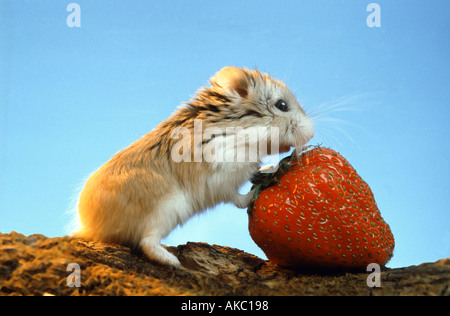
<point>141,194</point>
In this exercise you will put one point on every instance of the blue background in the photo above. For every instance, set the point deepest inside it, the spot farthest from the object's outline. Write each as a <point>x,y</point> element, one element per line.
<point>72,97</point>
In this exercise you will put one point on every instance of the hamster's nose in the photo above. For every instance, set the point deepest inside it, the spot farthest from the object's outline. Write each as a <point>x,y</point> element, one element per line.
<point>308,128</point>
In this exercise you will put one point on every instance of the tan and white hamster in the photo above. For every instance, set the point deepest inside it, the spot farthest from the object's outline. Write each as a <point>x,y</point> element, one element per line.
<point>144,191</point>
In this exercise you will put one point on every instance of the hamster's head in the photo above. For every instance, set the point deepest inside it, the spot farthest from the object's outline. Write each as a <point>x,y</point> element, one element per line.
<point>258,100</point>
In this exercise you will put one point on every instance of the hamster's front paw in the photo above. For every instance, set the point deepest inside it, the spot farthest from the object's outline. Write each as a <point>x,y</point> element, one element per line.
<point>243,201</point>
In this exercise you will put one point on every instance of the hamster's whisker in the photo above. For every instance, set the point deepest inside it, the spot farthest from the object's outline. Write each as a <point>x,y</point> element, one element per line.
<point>328,133</point>
<point>352,103</point>
<point>331,125</point>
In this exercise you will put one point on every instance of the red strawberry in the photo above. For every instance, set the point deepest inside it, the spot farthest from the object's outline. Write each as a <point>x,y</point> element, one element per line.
<point>317,212</point>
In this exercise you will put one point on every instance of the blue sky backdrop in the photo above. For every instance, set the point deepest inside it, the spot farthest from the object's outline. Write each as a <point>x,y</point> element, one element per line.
<point>70,98</point>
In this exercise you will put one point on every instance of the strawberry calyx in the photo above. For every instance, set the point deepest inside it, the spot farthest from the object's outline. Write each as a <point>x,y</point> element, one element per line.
<point>264,180</point>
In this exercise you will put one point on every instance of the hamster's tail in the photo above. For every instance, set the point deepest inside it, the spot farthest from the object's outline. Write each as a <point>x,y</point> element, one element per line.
<point>74,228</point>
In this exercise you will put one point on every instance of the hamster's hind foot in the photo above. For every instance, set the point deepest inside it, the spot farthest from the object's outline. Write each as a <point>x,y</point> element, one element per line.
<point>156,252</point>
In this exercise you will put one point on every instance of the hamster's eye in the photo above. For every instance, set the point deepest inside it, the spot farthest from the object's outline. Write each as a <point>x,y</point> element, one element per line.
<point>281,105</point>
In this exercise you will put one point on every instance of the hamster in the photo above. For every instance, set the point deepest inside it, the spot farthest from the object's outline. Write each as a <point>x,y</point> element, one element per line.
<point>157,183</point>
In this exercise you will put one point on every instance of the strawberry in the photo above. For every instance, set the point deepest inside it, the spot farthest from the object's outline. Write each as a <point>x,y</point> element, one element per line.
<point>317,212</point>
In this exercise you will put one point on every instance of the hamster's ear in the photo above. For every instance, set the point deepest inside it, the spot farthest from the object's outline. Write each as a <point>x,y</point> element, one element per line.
<point>232,78</point>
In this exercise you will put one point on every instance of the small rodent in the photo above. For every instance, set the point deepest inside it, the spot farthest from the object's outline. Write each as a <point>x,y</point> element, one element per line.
<point>144,191</point>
